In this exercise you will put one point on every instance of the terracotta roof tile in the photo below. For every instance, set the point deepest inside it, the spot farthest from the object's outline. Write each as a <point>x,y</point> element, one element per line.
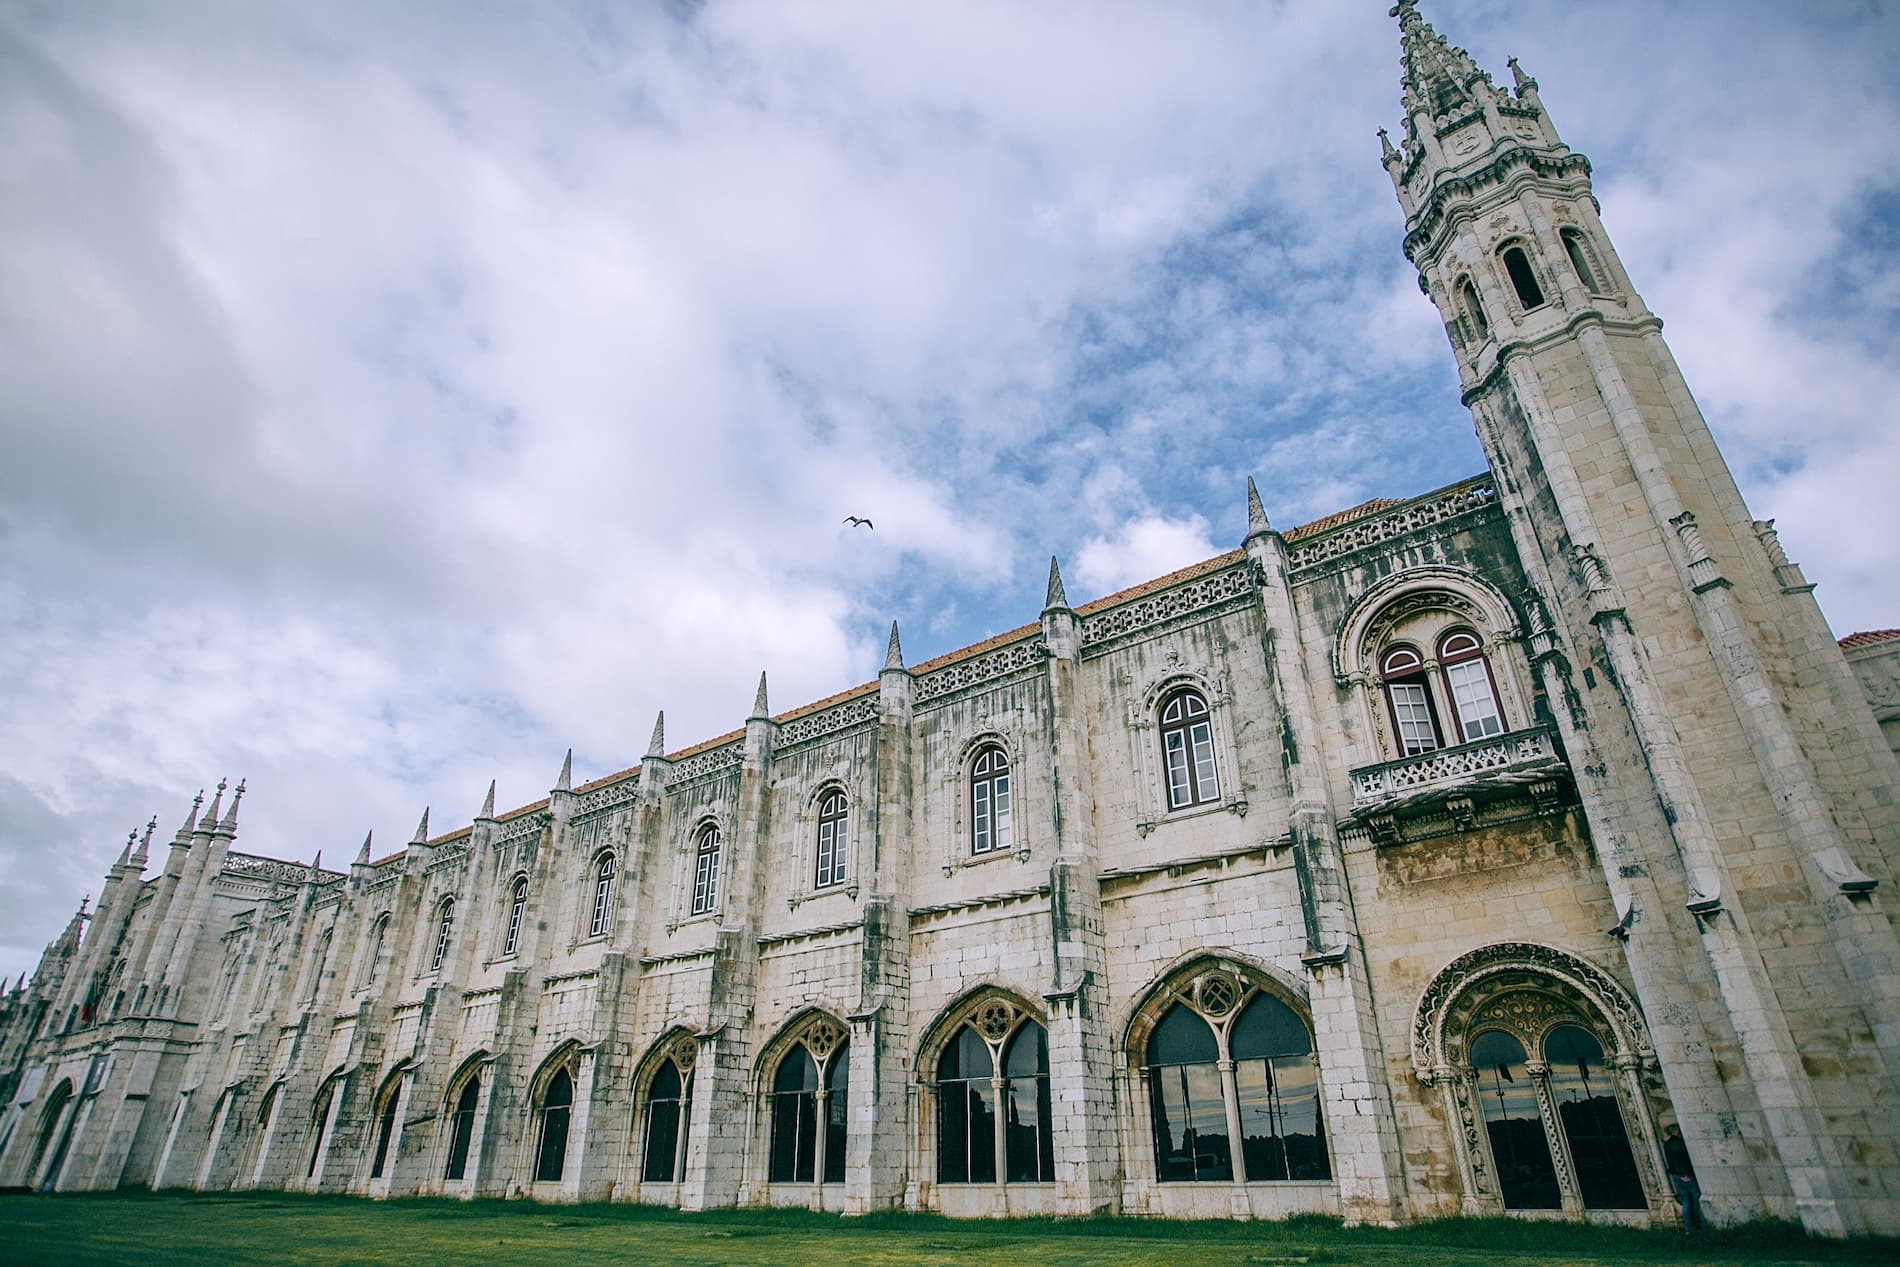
<point>1869,638</point>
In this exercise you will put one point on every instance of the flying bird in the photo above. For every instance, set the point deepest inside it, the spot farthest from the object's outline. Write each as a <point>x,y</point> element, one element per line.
<point>857,521</point>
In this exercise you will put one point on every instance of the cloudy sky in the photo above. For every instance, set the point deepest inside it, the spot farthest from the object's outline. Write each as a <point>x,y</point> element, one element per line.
<point>393,396</point>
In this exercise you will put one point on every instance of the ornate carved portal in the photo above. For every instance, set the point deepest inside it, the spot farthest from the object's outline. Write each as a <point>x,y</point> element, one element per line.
<point>1539,1060</point>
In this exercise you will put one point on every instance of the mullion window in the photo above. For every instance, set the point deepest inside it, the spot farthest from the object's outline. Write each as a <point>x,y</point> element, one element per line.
<point>832,817</point>
<point>706,872</point>
<point>991,824</point>
<point>1187,743</point>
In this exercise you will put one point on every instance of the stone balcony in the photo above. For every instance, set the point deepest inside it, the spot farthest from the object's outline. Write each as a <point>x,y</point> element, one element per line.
<point>1508,777</point>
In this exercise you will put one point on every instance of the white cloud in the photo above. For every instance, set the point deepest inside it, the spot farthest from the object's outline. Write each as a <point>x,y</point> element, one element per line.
<point>1140,550</point>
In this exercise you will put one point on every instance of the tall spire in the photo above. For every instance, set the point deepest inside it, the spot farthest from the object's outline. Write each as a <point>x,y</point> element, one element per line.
<point>144,850</point>
<point>1256,513</point>
<point>229,824</point>
<point>1436,76</point>
<point>422,829</point>
<point>183,837</point>
<point>760,709</point>
<point>894,654</point>
<point>125,854</point>
<point>362,855</point>
<point>210,819</point>
<point>488,802</point>
<point>1055,597</point>
<point>656,746</point>
<point>565,783</point>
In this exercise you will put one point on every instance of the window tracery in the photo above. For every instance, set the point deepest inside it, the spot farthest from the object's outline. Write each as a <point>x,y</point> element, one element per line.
<point>811,1085</point>
<point>994,1115</point>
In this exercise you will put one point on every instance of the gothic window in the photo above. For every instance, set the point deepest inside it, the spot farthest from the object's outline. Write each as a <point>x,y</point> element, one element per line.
<point>991,826</point>
<point>49,1121</point>
<point>318,962</point>
<point>1513,1122</point>
<point>551,1121</point>
<point>1580,260</point>
<point>385,1126</point>
<point>1584,1092</point>
<point>1271,1097</point>
<point>378,933</point>
<point>1517,266</point>
<point>706,870</point>
<point>320,1124</point>
<point>810,1093</point>
<point>603,897</point>
<point>1473,310</point>
<point>517,907</point>
<point>663,1142</point>
<point>1414,720</point>
<point>445,925</point>
<point>1474,696</point>
<point>991,1126</point>
<point>832,819</point>
<point>462,1128</point>
<point>1187,746</point>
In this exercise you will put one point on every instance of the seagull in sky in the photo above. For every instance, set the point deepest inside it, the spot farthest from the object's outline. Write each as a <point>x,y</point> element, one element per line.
<point>857,521</point>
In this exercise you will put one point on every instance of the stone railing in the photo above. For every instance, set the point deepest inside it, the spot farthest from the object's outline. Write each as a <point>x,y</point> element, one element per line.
<point>612,796</point>
<point>1526,756</point>
<point>981,668</point>
<point>251,867</point>
<point>1203,592</point>
<point>713,761</point>
<point>828,721</point>
<point>1428,511</point>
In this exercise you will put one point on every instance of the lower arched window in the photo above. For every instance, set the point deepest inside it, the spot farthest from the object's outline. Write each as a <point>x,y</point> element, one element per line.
<point>809,1111</point>
<point>550,1149</point>
<point>1585,1097</point>
<point>1527,1178</point>
<point>385,1127</point>
<point>1272,1098</point>
<point>972,1100</point>
<point>462,1129</point>
<point>320,1125</point>
<point>49,1123</point>
<point>663,1142</point>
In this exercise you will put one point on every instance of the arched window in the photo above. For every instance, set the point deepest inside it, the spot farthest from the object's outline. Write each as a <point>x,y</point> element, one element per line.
<point>1271,1100</point>
<point>445,925</point>
<point>517,906</point>
<point>385,1126</point>
<point>1580,260</point>
<point>991,825</point>
<point>669,1096</point>
<point>971,1100</point>
<point>318,962</point>
<point>320,1124</point>
<point>706,870</point>
<point>557,1104</point>
<point>1414,719</point>
<point>49,1122</point>
<point>462,1128</point>
<point>1187,745</point>
<point>378,933</point>
<point>603,897</point>
<point>1474,311</point>
<point>805,1092</point>
<point>1527,1180</point>
<point>832,818</point>
<point>1468,677</point>
<point>1582,1088</point>
<point>1517,266</point>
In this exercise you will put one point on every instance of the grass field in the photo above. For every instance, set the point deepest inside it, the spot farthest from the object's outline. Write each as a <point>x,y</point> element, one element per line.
<point>153,1230</point>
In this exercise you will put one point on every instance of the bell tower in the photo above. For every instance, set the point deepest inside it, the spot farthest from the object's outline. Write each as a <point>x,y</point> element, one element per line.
<point>1741,803</point>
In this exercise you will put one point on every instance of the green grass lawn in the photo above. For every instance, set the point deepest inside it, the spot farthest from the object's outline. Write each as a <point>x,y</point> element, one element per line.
<point>152,1230</point>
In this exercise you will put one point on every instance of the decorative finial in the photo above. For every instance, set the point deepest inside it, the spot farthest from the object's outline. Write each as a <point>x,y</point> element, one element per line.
<point>125,854</point>
<point>894,653</point>
<point>760,709</point>
<point>230,817</point>
<point>316,864</point>
<point>1385,146</point>
<point>1406,11</point>
<point>1523,81</point>
<point>488,802</point>
<point>1055,596</point>
<point>1256,513</point>
<point>565,783</point>
<point>210,816</point>
<point>422,829</point>
<point>656,746</point>
<point>362,855</point>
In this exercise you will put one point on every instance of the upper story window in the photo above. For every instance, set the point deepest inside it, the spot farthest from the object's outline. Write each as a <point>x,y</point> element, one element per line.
<point>1580,260</point>
<point>378,934</point>
<point>1473,311</point>
<point>1517,266</point>
<point>832,819</point>
<point>991,826</point>
<point>603,897</point>
<point>445,925</point>
<point>1187,745</point>
<point>1468,678</point>
<point>706,870</point>
<point>517,907</point>
<point>1414,720</point>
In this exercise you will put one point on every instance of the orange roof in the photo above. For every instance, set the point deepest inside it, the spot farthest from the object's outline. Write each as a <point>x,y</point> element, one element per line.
<point>1870,638</point>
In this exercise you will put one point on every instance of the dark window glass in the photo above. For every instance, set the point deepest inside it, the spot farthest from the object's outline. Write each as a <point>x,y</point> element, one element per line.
<point>1190,1112</point>
<point>1029,1147</point>
<point>1474,311</point>
<point>992,820</point>
<point>1580,261</point>
<point>966,1118</point>
<point>385,1129</point>
<point>666,1097</point>
<point>1523,280</point>
<point>1581,1086</point>
<point>794,1118</point>
<point>1187,746</point>
<point>462,1130</point>
<point>556,1107</point>
<point>320,1126</point>
<point>445,926</point>
<point>1282,1135</point>
<point>517,904</point>
<point>1526,1178</point>
<point>837,1111</point>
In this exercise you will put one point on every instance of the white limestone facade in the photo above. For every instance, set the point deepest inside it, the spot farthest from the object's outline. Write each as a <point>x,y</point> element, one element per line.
<point>1435,857</point>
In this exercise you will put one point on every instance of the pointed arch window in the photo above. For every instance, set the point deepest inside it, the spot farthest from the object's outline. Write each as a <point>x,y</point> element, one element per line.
<point>1187,748</point>
<point>1517,266</point>
<point>1414,718</point>
<point>557,1106</point>
<point>1580,260</point>
<point>1473,310</point>
<point>972,1100</point>
<point>833,818</point>
<point>517,907</point>
<point>810,1110</point>
<point>462,1128</point>
<point>1474,695</point>
<point>385,1126</point>
<point>992,821</point>
<point>444,929</point>
<point>706,870</point>
<point>1282,1135</point>
<point>603,897</point>
<point>318,962</point>
<point>668,1109</point>
<point>320,1124</point>
<point>378,934</point>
